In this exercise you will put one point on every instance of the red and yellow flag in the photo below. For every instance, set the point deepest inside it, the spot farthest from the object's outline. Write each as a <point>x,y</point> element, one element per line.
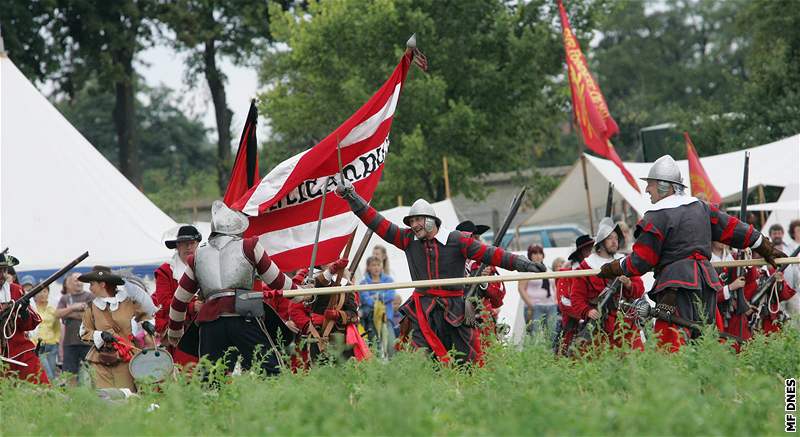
<point>591,112</point>
<point>701,184</point>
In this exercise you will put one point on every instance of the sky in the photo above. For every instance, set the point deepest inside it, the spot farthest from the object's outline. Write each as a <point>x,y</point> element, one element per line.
<point>162,65</point>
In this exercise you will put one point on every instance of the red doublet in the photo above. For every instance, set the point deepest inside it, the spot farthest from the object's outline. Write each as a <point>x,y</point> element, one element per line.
<point>586,290</point>
<point>769,323</point>
<point>166,285</point>
<point>19,348</point>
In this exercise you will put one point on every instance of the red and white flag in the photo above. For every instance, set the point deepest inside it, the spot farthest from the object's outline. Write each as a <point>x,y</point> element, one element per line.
<point>284,206</point>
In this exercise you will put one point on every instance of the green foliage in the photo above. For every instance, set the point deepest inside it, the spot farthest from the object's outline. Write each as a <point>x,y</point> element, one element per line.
<point>705,389</point>
<point>488,103</point>
<point>21,25</point>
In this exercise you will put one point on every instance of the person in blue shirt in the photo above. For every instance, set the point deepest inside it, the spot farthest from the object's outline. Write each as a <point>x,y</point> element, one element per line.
<point>379,331</point>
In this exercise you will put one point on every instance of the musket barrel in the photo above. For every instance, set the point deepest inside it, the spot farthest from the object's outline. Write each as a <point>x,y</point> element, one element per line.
<point>432,283</point>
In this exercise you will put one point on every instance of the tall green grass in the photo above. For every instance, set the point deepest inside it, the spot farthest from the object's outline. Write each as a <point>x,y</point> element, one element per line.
<point>705,389</point>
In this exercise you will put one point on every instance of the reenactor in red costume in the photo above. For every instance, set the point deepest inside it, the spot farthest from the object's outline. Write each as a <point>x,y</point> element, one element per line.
<point>167,276</point>
<point>674,240</point>
<point>435,316</point>
<point>17,352</point>
<point>586,291</point>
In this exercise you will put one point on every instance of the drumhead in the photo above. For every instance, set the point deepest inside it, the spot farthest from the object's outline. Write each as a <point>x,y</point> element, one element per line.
<point>151,364</point>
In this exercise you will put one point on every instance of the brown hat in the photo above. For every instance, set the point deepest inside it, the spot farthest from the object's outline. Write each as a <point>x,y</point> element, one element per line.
<point>101,274</point>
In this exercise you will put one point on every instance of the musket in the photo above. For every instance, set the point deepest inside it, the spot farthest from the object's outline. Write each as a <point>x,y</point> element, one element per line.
<point>642,310</point>
<point>610,199</point>
<point>25,299</point>
<point>759,300</point>
<point>500,235</point>
<point>608,292</point>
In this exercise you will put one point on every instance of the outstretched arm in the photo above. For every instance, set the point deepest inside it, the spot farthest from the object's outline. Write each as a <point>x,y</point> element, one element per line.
<point>187,288</point>
<point>388,231</point>
<point>495,256</point>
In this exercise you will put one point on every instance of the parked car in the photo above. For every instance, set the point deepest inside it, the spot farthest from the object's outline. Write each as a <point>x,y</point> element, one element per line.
<point>546,236</point>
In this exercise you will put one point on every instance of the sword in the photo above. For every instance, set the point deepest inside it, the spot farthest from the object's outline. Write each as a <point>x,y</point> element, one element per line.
<point>310,277</point>
<point>14,362</point>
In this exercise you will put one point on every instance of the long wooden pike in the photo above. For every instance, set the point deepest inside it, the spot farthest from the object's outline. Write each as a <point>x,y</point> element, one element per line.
<point>436,283</point>
<point>362,247</point>
<point>346,254</point>
<point>319,226</point>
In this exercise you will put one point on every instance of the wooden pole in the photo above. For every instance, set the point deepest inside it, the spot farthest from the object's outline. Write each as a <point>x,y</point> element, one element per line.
<point>588,197</point>
<point>434,283</point>
<point>762,199</point>
<point>446,178</point>
<point>399,200</point>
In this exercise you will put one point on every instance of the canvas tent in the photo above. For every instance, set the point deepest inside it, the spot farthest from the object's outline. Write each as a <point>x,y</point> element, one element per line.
<point>60,197</point>
<point>775,164</point>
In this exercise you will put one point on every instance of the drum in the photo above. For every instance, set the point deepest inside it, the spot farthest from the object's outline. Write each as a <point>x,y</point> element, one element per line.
<point>151,365</point>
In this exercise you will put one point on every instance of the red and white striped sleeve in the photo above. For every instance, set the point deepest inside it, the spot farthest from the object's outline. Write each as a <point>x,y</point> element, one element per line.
<point>187,288</point>
<point>267,270</point>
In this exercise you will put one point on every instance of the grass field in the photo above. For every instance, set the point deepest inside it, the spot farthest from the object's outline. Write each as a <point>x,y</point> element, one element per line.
<point>703,390</point>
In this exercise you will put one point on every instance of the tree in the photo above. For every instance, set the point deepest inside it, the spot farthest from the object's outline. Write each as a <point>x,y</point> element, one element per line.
<point>177,157</point>
<point>682,59</point>
<point>491,100</point>
<point>102,42</point>
<point>21,26</point>
<point>208,30</point>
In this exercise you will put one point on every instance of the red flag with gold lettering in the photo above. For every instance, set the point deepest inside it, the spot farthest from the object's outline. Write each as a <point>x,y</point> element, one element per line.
<point>588,104</point>
<point>700,181</point>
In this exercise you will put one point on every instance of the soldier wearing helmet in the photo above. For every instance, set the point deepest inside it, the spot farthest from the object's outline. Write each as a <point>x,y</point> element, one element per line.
<point>435,316</point>
<point>673,239</point>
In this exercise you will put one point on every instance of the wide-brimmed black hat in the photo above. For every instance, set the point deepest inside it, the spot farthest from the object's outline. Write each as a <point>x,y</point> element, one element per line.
<point>7,260</point>
<point>185,233</point>
<point>580,243</point>
<point>472,228</point>
<point>101,274</point>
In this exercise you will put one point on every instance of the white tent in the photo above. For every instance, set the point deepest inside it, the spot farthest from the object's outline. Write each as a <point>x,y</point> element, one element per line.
<point>775,164</point>
<point>59,196</point>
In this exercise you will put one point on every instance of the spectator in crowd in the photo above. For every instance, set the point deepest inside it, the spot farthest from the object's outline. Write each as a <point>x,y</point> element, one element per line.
<point>793,240</point>
<point>396,316</point>
<point>70,310</point>
<point>48,333</point>
<point>379,252</point>
<point>776,236</point>
<point>376,309</point>
<point>558,264</point>
<point>27,283</point>
<point>540,308</point>
<point>107,329</point>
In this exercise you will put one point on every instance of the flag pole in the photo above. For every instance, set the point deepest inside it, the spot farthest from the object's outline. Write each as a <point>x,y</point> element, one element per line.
<point>588,197</point>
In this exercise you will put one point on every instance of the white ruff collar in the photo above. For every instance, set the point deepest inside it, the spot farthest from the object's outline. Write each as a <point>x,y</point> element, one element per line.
<point>111,302</point>
<point>5,293</point>
<point>178,267</point>
<point>673,201</point>
<point>595,261</point>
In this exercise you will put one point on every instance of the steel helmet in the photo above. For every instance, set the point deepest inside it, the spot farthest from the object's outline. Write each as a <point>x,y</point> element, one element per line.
<point>665,169</point>
<point>227,221</point>
<point>421,207</point>
<point>605,228</point>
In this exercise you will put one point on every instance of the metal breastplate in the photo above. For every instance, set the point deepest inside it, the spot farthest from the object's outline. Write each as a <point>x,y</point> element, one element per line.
<point>221,264</point>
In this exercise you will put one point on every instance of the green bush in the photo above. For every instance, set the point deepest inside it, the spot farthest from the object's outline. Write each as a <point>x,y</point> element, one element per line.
<point>706,389</point>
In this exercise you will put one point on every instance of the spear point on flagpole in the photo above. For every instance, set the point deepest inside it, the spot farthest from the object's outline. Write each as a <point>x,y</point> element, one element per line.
<point>412,42</point>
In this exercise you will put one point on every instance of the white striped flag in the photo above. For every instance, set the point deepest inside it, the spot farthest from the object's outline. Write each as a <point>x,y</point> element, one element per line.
<point>284,206</point>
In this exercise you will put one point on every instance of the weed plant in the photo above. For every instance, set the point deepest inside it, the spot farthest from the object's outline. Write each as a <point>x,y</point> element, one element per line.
<point>706,389</point>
